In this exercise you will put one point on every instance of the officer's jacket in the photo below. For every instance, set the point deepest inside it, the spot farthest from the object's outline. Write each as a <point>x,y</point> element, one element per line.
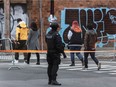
<point>22,31</point>
<point>54,42</point>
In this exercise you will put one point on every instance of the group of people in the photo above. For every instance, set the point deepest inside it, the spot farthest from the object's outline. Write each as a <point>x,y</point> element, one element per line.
<point>26,39</point>
<point>55,47</point>
<point>76,41</point>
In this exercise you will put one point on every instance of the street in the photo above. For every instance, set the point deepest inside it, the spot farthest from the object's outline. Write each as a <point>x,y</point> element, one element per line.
<point>80,26</point>
<point>70,76</point>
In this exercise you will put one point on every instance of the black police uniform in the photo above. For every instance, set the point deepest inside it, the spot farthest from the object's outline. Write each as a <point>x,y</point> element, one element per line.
<point>54,48</point>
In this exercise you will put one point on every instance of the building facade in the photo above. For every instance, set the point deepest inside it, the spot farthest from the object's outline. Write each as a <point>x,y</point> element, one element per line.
<point>102,13</point>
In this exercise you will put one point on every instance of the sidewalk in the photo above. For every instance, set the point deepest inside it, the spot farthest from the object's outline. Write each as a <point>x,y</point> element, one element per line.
<point>100,55</point>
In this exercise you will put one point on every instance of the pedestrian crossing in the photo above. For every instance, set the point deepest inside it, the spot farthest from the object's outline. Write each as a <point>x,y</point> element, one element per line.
<point>106,67</point>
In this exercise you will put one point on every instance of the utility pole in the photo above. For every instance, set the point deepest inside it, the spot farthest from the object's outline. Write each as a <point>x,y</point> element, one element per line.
<point>52,16</point>
<point>6,30</point>
<point>51,10</point>
<point>41,22</point>
<point>52,7</point>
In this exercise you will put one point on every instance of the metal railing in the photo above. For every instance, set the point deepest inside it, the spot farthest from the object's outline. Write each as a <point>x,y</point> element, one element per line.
<point>6,44</point>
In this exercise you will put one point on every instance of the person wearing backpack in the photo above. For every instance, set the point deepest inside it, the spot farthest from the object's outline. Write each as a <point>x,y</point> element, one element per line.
<point>21,38</point>
<point>90,40</point>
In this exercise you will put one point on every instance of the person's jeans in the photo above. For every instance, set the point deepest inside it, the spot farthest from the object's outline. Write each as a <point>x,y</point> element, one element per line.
<point>29,55</point>
<point>92,54</point>
<point>78,54</point>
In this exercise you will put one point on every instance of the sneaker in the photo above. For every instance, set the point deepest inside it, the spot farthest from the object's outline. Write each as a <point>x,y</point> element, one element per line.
<point>55,83</point>
<point>99,66</point>
<point>12,61</point>
<point>83,64</point>
<point>72,64</point>
<point>16,61</point>
<point>84,68</point>
<point>25,62</point>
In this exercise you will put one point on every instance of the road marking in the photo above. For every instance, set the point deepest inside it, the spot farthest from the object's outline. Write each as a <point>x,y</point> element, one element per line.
<point>106,68</point>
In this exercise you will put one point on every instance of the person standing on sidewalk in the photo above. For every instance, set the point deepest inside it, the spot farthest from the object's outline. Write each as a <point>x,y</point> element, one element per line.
<point>21,38</point>
<point>75,42</point>
<point>54,48</point>
<point>90,40</point>
<point>33,42</point>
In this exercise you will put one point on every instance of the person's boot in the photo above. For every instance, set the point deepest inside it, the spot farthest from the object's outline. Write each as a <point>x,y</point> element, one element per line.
<point>99,66</point>
<point>38,63</point>
<point>38,59</point>
<point>82,62</point>
<point>83,65</point>
<point>54,82</point>
<point>49,80</point>
<point>27,62</point>
<point>64,55</point>
<point>72,64</point>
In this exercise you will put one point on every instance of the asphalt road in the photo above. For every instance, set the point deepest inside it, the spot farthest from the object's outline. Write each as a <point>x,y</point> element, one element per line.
<point>35,75</point>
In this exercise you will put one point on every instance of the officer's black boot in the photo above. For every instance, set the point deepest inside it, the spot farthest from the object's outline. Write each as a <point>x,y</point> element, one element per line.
<point>49,82</point>
<point>73,63</point>
<point>50,79</point>
<point>54,82</point>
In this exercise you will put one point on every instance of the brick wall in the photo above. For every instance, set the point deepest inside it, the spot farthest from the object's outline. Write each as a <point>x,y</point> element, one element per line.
<point>33,9</point>
<point>61,4</point>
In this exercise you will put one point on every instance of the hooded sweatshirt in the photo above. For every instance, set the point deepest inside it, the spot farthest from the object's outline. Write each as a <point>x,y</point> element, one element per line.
<point>74,34</point>
<point>22,31</point>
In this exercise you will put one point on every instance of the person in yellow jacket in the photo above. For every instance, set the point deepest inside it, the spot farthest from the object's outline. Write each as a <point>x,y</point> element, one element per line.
<point>21,38</point>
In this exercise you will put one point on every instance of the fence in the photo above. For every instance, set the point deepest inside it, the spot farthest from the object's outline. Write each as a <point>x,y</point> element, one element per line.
<point>6,44</point>
<point>107,50</point>
<point>108,43</point>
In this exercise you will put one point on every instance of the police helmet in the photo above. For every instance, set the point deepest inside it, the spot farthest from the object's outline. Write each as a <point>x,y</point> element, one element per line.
<point>54,25</point>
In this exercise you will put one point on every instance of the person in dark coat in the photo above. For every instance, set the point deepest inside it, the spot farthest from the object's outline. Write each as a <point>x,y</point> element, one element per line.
<point>33,42</point>
<point>54,48</point>
<point>90,40</point>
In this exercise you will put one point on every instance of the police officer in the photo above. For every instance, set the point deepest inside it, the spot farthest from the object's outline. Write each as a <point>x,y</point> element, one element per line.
<point>54,48</point>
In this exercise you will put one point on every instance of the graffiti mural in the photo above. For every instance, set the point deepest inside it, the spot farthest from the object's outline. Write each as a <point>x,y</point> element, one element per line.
<point>16,11</point>
<point>103,19</point>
